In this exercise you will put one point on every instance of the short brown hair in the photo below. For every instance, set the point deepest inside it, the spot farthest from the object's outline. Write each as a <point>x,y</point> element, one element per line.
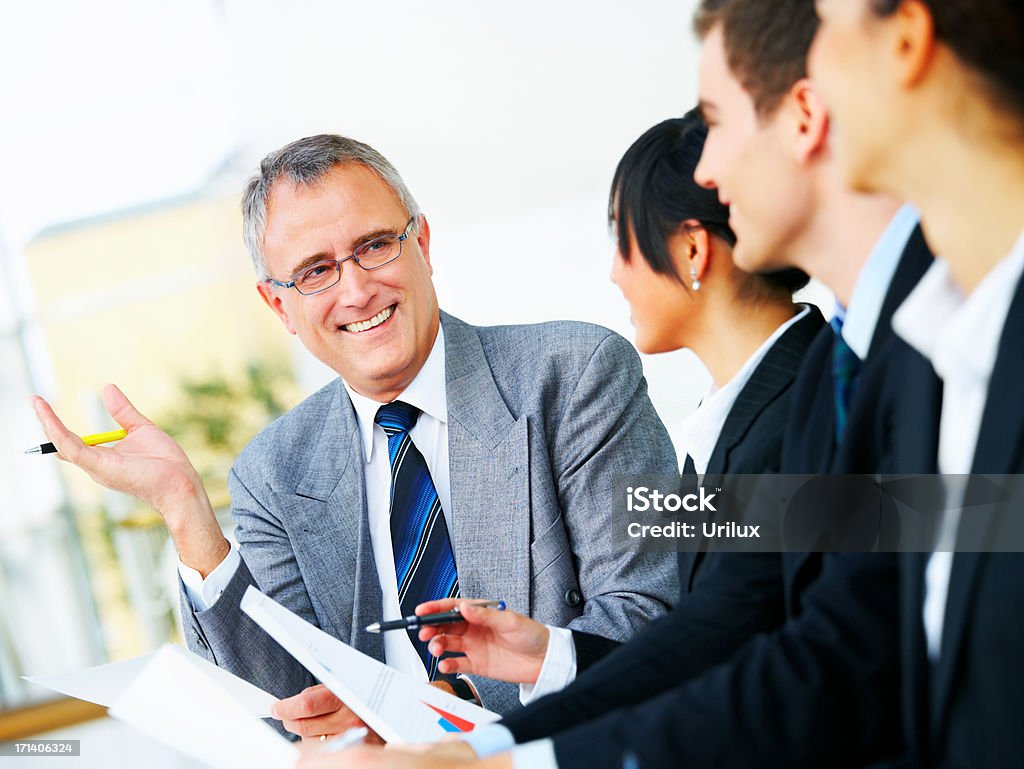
<point>766,43</point>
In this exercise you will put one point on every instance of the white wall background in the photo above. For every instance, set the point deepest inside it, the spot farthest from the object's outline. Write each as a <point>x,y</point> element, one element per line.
<point>506,120</point>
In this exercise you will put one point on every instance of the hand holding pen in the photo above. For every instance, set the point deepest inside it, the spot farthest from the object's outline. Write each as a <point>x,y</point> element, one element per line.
<point>498,644</point>
<point>150,466</point>
<point>422,619</point>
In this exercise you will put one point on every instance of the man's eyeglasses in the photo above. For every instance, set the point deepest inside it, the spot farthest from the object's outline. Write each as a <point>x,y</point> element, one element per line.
<point>372,255</point>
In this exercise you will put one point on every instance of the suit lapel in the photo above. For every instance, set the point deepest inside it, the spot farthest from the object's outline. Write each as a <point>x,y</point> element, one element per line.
<point>914,263</point>
<point>1002,425</point>
<point>772,376</point>
<point>819,415</point>
<point>1000,438</point>
<point>916,432</point>
<point>488,452</point>
<point>868,450</point>
<point>324,513</point>
<point>914,670</point>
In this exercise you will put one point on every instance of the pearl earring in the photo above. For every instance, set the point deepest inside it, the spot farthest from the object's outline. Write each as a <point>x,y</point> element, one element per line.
<point>693,277</point>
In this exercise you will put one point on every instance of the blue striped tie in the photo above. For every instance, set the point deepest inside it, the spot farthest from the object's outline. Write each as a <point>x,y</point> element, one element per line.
<point>845,369</point>
<point>424,561</point>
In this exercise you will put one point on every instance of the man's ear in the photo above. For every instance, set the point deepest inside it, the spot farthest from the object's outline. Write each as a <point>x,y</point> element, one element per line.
<point>273,299</point>
<point>423,240</point>
<point>913,41</point>
<point>809,122</point>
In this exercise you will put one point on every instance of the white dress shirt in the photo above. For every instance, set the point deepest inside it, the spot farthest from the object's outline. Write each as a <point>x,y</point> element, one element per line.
<point>699,434</point>
<point>960,336</point>
<point>700,430</point>
<point>428,393</point>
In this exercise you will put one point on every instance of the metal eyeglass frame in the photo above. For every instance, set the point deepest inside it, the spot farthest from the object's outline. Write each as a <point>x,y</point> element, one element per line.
<point>336,263</point>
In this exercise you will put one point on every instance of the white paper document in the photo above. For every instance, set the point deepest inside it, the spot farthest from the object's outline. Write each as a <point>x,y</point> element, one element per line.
<point>178,703</point>
<point>396,706</point>
<point>104,684</point>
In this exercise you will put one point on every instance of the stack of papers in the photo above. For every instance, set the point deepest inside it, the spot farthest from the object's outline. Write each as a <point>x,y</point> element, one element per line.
<point>187,703</point>
<point>395,705</point>
<point>199,709</point>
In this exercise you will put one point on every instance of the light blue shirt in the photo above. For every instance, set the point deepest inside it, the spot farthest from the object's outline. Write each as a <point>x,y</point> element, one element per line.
<point>495,738</point>
<point>490,739</point>
<point>861,317</point>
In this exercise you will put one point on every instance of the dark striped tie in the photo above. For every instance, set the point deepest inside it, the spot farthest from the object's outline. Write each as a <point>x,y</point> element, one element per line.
<point>845,368</point>
<point>424,561</point>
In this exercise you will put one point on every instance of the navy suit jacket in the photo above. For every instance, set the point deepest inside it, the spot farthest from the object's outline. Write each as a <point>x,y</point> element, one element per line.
<point>966,710</point>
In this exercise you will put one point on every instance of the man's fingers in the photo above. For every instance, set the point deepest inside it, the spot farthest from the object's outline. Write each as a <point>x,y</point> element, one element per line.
<point>446,604</point>
<point>447,643</point>
<point>454,628</point>
<point>67,443</point>
<point>121,409</point>
<point>492,618</point>
<point>331,724</point>
<point>435,607</point>
<point>311,702</point>
<point>357,757</point>
<point>452,749</point>
<point>451,665</point>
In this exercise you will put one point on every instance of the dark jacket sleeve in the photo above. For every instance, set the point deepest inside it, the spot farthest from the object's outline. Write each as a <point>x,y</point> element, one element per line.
<point>736,597</point>
<point>821,691</point>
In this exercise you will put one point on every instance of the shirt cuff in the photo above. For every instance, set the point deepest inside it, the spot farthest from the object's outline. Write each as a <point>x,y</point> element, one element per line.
<point>490,739</point>
<point>558,669</point>
<point>472,688</point>
<point>203,593</point>
<point>539,754</point>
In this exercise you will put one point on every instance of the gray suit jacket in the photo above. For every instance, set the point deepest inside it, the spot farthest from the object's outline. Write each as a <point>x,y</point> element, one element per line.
<point>541,418</point>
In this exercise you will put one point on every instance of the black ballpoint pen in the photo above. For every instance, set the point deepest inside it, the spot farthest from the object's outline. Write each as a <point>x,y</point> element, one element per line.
<point>413,621</point>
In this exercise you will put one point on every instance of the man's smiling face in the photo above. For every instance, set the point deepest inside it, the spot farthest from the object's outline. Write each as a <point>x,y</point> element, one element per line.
<point>750,160</point>
<point>329,220</point>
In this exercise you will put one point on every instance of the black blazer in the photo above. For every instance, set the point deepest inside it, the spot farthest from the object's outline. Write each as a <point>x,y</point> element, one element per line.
<point>822,689</point>
<point>732,597</point>
<point>967,710</point>
<point>808,447</point>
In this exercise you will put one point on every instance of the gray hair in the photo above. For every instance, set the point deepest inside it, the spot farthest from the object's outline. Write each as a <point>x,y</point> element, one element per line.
<point>305,162</point>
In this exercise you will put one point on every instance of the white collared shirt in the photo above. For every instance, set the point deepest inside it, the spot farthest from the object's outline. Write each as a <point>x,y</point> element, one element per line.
<point>430,435</point>
<point>960,336</point>
<point>700,430</point>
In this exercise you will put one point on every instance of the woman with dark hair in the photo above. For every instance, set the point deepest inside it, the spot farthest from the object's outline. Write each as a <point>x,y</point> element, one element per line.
<point>928,100</point>
<point>673,263</point>
<point>673,260</point>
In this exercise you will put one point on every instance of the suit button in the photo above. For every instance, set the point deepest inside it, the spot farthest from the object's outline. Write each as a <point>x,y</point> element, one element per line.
<point>573,597</point>
<point>199,639</point>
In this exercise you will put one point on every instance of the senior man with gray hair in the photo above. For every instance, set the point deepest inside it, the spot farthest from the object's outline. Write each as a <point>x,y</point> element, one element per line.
<point>447,459</point>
